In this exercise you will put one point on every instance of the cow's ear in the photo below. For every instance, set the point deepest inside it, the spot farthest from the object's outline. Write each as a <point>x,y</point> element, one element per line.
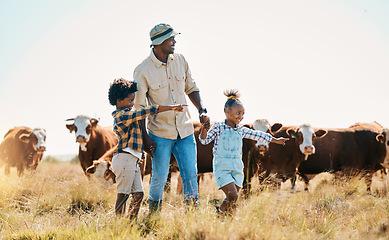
<point>320,133</point>
<point>24,137</point>
<point>380,138</point>
<point>276,127</point>
<point>291,132</point>
<point>248,126</point>
<point>94,122</point>
<point>70,127</point>
<point>91,169</point>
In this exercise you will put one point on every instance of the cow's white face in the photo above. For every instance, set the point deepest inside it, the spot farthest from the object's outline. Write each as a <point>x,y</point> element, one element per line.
<point>262,125</point>
<point>306,147</point>
<point>40,134</point>
<point>305,136</point>
<point>37,138</point>
<point>82,128</point>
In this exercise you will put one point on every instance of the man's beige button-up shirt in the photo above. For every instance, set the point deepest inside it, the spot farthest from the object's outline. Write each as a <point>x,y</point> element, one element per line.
<point>165,84</point>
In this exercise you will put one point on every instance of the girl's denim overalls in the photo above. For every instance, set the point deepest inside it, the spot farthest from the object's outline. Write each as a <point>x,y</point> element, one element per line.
<point>227,162</point>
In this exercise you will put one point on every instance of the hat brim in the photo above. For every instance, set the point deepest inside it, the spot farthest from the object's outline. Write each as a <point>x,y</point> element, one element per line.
<point>160,40</point>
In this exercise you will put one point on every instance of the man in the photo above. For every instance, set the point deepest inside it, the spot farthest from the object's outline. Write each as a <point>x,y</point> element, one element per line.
<point>163,79</point>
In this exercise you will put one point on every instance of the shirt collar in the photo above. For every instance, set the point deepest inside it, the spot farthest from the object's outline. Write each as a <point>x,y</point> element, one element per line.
<point>114,113</point>
<point>156,60</point>
<point>228,126</point>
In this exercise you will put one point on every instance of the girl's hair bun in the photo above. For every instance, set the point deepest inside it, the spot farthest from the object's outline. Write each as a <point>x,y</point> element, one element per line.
<point>231,94</point>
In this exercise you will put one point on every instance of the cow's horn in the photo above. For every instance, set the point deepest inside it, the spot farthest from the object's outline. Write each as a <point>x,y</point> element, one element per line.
<point>70,119</point>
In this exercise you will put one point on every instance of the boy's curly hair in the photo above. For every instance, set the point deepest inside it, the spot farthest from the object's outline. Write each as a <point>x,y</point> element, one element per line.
<point>120,89</point>
<point>232,98</point>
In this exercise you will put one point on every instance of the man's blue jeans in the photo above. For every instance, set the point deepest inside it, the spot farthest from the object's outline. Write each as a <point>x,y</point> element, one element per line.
<point>184,150</point>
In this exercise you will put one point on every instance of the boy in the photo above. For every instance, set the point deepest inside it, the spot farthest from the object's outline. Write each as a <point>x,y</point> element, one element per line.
<point>129,150</point>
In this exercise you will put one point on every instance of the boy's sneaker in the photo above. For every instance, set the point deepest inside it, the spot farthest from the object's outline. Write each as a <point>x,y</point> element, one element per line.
<point>219,212</point>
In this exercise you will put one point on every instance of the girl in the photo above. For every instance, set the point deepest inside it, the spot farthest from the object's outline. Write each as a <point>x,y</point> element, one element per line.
<point>227,150</point>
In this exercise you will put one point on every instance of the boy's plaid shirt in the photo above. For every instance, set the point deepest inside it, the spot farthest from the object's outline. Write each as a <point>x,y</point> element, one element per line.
<point>127,127</point>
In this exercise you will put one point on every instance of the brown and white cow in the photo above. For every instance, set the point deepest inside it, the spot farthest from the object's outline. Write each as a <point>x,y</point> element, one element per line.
<point>283,161</point>
<point>94,141</point>
<point>23,148</point>
<point>383,137</point>
<point>253,151</point>
<point>263,125</point>
<point>103,170</point>
<point>360,148</point>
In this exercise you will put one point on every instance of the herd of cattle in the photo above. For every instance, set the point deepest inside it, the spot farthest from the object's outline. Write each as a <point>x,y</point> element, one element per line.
<point>362,147</point>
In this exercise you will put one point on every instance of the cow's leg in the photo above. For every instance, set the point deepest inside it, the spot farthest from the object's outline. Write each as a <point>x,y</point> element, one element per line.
<point>84,169</point>
<point>20,169</point>
<point>306,180</point>
<point>180,185</point>
<point>368,180</point>
<point>290,173</point>
<point>247,176</point>
<point>200,176</point>
<point>249,172</point>
<point>383,178</point>
<point>293,181</point>
<point>266,181</point>
<point>246,185</point>
<point>262,177</point>
<point>272,182</point>
<point>7,169</point>
<point>167,187</point>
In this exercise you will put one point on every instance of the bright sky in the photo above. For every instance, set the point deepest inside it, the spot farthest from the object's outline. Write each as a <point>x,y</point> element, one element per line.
<point>325,63</point>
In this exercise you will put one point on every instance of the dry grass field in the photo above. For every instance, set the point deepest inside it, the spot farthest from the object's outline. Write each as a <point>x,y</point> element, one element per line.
<point>58,202</point>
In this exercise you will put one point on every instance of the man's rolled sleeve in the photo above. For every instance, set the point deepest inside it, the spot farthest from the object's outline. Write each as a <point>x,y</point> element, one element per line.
<point>190,84</point>
<point>140,95</point>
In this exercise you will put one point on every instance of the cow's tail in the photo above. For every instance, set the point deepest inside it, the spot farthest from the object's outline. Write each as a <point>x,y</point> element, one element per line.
<point>2,154</point>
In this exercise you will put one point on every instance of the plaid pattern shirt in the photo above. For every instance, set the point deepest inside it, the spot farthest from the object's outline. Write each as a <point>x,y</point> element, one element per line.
<point>127,127</point>
<point>214,134</point>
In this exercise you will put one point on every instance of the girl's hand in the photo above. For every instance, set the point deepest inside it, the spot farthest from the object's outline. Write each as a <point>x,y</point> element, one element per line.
<point>280,140</point>
<point>206,122</point>
<point>178,107</point>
